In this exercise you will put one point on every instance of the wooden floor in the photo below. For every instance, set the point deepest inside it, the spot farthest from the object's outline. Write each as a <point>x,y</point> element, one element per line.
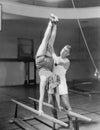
<point>83,104</point>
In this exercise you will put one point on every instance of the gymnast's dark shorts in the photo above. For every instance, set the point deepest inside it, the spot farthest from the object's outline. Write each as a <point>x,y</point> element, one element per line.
<point>44,62</point>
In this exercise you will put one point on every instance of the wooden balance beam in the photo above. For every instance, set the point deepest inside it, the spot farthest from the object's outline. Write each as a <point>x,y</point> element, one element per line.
<point>43,114</point>
<point>70,113</point>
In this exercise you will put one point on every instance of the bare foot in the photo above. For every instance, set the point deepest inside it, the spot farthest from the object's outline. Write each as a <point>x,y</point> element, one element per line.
<point>54,18</point>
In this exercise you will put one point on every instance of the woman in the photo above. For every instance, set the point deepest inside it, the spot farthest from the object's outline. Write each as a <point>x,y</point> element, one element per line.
<point>44,60</point>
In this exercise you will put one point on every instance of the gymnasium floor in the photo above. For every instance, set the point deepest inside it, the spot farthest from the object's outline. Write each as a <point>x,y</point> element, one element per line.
<point>83,104</point>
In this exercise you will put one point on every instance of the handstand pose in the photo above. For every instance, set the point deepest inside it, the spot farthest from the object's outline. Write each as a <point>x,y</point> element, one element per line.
<point>44,60</point>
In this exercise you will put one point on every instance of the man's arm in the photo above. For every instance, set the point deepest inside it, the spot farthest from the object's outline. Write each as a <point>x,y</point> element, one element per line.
<point>55,57</point>
<point>65,63</point>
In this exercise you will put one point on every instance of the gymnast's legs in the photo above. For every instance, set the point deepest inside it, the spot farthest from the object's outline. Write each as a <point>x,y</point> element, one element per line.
<point>49,37</point>
<point>44,61</point>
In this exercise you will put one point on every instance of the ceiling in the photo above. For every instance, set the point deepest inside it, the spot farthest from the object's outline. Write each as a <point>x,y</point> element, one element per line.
<point>64,4</point>
<point>60,3</point>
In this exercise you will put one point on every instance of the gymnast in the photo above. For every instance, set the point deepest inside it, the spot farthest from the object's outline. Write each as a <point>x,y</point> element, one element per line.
<point>44,60</point>
<point>45,64</point>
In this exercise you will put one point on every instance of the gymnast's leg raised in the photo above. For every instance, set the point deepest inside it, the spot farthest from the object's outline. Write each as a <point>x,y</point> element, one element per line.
<point>44,60</point>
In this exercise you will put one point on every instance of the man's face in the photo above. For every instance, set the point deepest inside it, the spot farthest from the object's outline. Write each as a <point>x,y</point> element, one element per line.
<point>65,52</point>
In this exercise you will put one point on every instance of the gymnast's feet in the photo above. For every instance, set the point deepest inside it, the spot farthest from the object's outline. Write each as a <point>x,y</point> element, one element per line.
<point>54,19</point>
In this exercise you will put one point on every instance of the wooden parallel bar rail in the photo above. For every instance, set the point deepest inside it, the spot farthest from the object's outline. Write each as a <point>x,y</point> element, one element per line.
<point>43,114</point>
<point>44,103</point>
<point>70,113</point>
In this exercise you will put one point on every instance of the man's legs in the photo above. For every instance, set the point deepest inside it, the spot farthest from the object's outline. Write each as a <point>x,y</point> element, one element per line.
<point>65,101</point>
<point>67,106</point>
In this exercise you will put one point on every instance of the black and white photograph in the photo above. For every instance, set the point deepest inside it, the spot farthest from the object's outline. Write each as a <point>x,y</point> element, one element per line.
<point>49,64</point>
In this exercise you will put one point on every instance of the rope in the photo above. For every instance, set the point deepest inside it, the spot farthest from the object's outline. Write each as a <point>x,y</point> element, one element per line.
<point>96,70</point>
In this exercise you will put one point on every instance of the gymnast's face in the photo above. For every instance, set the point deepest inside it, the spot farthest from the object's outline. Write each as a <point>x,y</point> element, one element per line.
<point>65,51</point>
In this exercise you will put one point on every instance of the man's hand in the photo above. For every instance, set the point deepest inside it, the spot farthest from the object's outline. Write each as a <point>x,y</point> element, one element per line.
<point>60,108</point>
<point>40,112</point>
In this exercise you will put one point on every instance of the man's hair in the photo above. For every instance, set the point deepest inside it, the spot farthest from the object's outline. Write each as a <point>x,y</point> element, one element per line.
<point>67,47</point>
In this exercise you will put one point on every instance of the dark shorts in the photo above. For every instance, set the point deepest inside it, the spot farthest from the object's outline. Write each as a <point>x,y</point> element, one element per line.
<point>44,62</point>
